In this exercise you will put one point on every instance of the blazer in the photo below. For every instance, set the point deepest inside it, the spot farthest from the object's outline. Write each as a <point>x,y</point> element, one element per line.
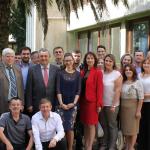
<point>4,86</point>
<point>35,87</point>
<point>94,86</point>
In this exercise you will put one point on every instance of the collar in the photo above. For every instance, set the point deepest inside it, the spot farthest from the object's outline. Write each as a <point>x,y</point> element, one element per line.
<point>11,116</point>
<point>6,66</point>
<point>24,64</point>
<point>42,118</point>
<point>42,67</point>
<point>58,62</point>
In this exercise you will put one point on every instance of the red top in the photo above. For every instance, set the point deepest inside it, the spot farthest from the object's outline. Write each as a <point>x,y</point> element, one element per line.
<point>94,86</point>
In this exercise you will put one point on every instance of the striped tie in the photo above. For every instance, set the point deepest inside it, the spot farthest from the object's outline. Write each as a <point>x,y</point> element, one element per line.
<point>13,90</point>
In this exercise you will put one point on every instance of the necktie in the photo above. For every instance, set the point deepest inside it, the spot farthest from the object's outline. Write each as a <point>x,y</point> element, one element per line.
<point>13,86</point>
<point>45,77</point>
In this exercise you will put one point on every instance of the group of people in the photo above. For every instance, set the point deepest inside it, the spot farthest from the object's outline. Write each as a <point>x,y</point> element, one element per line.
<point>66,97</point>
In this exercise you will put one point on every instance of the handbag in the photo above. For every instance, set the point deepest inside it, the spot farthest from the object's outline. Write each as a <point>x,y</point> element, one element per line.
<point>120,141</point>
<point>100,132</point>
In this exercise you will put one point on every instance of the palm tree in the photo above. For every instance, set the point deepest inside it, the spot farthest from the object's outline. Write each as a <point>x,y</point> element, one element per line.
<point>64,6</point>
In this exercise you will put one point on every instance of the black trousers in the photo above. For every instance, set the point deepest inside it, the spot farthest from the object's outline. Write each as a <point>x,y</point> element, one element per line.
<point>79,131</point>
<point>143,139</point>
<point>15,146</point>
<point>61,145</point>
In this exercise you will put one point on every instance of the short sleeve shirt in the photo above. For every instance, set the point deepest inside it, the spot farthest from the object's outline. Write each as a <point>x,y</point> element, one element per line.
<point>109,85</point>
<point>15,131</point>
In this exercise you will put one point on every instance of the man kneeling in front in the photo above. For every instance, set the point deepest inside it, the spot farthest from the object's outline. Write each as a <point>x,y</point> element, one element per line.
<point>13,127</point>
<point>47,128</point>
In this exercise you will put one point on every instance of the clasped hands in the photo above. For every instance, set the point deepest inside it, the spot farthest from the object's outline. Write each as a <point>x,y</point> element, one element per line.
<point>67,106</point>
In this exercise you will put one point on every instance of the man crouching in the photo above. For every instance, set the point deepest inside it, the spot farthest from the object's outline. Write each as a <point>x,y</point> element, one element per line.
<point>47,128</point>
<point>13,127</point>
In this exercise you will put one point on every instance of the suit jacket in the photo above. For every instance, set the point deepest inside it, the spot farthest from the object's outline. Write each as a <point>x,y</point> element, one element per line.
<point>94,86</point>
<point>35,87</point>
<point>4,86</point>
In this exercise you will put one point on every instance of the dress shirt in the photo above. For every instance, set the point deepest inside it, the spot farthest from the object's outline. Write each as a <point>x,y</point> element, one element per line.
<point>43,67</point>
<point>45,130</point>
<point>7,73</point>
<point>24,70</point>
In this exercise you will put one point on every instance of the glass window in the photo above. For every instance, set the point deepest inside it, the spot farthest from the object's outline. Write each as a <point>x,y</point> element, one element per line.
<point>104,39</point>
<point>83,42</point>
<point>93,41</point>
<point>140,36</point>
<point>115,43</point>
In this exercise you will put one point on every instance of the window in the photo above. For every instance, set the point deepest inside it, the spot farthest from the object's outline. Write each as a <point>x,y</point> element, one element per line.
<point>93,41</point>
<point>104,39</point>
<point>140,36</point>
<point>115,43</point>
<point>83,43</point>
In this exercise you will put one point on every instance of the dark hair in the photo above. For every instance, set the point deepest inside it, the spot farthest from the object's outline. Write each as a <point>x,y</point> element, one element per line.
<point>121,60</point>
<point>142,69</point>
<point>44,101</point>
<point>101,46</point>
<point>17,53</point>
<point>133,69</point>
<point>112,57</point>
<point>84,60</point>
<point>44,50</point>
<point>138,51</point>
<point>34,52</point>
<point>25,48</point>
<point>15,98</point>
<point>58,47</point>
<point>67,55</point>
<point>76,51</point>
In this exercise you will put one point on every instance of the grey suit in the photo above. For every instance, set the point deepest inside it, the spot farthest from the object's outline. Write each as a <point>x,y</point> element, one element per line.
<point>35,88</point>
<point>4,86</point>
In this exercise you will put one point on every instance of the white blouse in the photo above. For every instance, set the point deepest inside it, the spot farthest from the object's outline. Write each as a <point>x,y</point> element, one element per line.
<point>109,84</point>
<point>146,85</point>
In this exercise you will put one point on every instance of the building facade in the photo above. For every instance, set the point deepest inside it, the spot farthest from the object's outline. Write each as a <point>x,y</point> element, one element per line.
<point>120,29</point>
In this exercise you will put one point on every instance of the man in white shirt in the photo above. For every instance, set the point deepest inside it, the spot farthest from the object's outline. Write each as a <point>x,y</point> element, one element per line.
<point>47,128</point>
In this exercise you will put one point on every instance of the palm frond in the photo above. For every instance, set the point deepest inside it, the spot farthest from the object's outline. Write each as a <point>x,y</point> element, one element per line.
<point>125,2</point>
<point>81,3</point>
<point>28,4</point>
<point>75,4</point>
<point>100,7</point>
<point>44,16</point>
<point>64,8</point>
<point>93,9</point>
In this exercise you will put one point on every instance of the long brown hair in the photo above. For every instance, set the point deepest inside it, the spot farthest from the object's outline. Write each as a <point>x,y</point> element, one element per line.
<point>84,60</point>
<point>112,57</point>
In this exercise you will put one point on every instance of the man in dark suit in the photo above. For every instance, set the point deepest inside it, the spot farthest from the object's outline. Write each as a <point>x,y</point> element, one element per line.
<point>11,82</point>
<point>41,82</point>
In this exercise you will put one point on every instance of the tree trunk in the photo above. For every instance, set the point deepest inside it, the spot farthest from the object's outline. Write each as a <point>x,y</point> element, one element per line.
<point>4,19</point>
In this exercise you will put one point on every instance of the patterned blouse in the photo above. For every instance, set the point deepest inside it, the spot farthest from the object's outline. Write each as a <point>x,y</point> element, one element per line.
<point>133,90</point>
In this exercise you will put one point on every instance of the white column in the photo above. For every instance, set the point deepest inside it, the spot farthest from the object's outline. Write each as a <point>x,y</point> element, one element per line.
<point>123,39</point>
<point>31,29</point>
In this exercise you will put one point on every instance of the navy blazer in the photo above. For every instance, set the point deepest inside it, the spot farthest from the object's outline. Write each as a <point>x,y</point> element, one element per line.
<point>35,87</point>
